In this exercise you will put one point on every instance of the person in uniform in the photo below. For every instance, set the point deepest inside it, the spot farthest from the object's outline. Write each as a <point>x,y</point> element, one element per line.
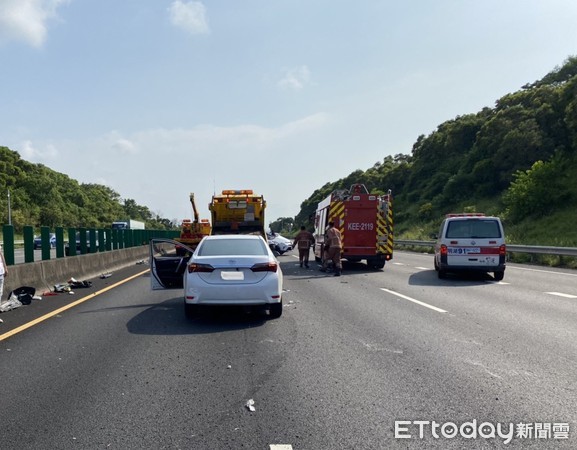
<point>333,247</point>
<point>3,273</point>
<point>304,240</point>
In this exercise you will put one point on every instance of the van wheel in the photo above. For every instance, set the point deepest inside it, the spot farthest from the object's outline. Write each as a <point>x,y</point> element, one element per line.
<point>436,265</point>
<point>499,275</point>
<point>275,310</point>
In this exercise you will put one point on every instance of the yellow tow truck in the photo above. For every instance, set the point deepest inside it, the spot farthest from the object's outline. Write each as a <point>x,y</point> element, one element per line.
<point>238,212</point>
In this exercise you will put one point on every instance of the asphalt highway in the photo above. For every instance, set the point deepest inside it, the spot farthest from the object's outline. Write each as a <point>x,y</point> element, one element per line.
<point>370,360</point>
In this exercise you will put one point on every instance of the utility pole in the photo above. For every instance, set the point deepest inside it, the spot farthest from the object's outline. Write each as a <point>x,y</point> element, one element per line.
<point>9,210</point>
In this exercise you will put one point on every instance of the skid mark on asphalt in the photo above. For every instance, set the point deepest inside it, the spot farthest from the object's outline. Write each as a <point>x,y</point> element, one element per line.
<point>478,364</point>
<point>380,348</point>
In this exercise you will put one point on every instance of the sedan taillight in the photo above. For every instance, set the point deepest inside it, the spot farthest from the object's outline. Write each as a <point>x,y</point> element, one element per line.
<point>194,267</point>
<point>265,267</point>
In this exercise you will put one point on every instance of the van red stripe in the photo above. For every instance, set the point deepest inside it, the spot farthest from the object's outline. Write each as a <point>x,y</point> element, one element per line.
<point>489,250</point>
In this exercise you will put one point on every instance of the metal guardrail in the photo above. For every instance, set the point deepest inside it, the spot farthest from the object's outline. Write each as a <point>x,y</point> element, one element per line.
<point>534,249</point>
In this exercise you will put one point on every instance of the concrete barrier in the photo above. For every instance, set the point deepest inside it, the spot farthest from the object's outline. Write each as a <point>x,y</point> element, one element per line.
<point>43,275</point>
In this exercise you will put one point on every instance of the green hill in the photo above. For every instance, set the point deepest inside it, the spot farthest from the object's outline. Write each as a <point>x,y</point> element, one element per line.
<point>41,196</point>
<point>517,160</point>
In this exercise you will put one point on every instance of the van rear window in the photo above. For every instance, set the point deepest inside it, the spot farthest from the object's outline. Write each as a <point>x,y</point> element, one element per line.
<point>473,229</point>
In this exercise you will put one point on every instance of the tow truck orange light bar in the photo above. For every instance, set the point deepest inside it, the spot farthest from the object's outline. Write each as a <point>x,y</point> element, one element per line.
<point>237,192</point>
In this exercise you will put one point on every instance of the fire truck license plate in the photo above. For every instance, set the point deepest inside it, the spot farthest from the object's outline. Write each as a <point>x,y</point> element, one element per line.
<point>361,226</point>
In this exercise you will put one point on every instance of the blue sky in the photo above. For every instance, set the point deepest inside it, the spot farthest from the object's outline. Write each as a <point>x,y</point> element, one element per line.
<point>160,98</point>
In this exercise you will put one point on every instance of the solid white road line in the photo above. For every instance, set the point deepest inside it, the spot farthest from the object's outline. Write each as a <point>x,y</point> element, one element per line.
<point>542,271</point>
<point>560,294</point>
<point>418,302</point>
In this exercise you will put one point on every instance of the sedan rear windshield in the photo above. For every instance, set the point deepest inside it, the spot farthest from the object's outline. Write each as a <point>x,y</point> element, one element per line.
<point>232,247</point>
<point>473,228</point>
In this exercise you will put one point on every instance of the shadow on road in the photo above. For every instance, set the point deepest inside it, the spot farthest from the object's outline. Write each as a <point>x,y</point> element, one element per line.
<point>430,278</point>
<point>291,268</point>
<point>167,318</point>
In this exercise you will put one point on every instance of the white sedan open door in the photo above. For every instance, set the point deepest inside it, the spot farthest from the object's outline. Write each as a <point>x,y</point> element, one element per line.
<point>168,260</point>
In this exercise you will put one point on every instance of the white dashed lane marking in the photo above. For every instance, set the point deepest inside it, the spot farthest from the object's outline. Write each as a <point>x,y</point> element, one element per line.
<point>280,447</point>
<point>560,294</point>
<point>423,268</point>
<point>418,302</point>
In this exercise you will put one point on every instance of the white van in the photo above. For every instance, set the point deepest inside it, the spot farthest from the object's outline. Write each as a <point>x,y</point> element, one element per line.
<point>470,242</point>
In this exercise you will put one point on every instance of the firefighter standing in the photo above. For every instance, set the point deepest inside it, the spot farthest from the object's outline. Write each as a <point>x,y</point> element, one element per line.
<point>333,248</point>
<point>304,240</point>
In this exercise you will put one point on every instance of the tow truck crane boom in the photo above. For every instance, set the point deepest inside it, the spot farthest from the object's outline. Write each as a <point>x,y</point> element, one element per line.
<point>194,210</point>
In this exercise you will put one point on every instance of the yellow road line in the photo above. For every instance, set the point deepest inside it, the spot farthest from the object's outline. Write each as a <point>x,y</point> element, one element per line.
<point>64,308</point>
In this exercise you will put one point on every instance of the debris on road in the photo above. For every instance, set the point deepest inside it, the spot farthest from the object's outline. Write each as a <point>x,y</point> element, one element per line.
<point>10,304</point>
<point>24,294</point>
<point>79,284</point>
<point>62,287</point>
<point>250,405</point>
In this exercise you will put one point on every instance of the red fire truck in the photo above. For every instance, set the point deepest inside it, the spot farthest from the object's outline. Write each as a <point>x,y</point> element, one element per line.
<point>365,222</point>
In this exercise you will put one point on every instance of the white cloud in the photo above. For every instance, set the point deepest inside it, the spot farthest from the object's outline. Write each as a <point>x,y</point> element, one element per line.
<point>190,16</point>
<point>296,78</point>
<point>25,20</point>
<point>225,139</point>
<point>125,146</point>
<point>159,167</point>
<point>36,155</point>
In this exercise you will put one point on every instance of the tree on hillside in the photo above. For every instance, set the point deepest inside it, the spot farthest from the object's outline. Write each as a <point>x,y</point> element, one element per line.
<point>559,75</point>
<point>536,191</point>
<point>478,157</point>
<point>282,224</point>
<point>133,210</point>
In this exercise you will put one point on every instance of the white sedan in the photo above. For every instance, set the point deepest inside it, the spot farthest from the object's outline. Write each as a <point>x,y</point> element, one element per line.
<point>223,270</point>
<point>280,243</point>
